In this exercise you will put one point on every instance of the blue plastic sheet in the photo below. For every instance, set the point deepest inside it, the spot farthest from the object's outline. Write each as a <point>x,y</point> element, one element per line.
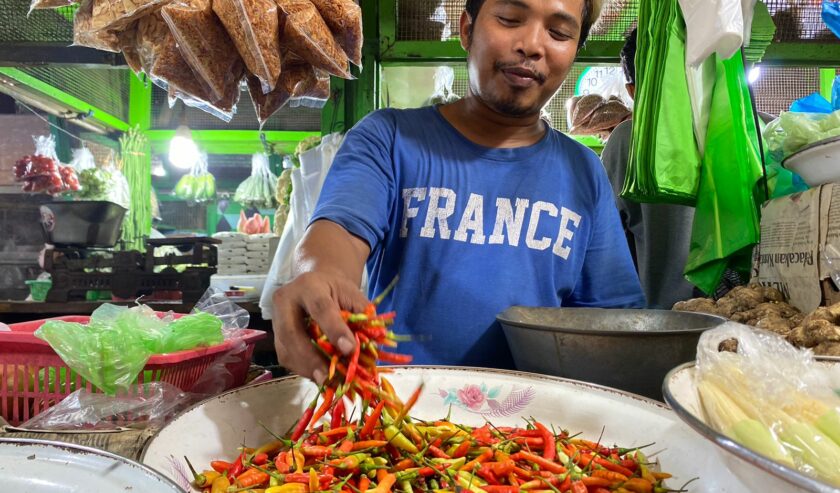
<point>831,16</point>
<point>813,103</point>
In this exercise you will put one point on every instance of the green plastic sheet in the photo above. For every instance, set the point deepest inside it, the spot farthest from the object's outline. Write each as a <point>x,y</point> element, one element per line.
<point>112,349</point>
<point>726,222</point>
<point>664,164</point>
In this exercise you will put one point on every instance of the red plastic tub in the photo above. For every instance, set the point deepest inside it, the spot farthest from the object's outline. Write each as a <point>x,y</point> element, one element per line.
<point>34,378</point>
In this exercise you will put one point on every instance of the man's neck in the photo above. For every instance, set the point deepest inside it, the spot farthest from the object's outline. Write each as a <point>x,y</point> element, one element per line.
<point>486,127</point>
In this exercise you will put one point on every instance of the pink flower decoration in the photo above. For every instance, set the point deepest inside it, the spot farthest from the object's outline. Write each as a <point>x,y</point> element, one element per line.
<point>471,396</point>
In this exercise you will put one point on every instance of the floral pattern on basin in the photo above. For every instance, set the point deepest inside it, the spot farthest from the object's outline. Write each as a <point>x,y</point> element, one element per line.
<point>485,401</point>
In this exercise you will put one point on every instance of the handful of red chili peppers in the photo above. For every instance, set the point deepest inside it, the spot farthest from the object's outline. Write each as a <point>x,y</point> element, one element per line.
<point>385,451</point>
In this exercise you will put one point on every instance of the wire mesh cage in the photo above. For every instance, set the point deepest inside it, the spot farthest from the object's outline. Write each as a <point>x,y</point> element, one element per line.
<point>42,26</point>
<point>777,87</point>
<point>245,118</point>
<point>412,86</point>
<point>104,88</point>
<point>430,20</point>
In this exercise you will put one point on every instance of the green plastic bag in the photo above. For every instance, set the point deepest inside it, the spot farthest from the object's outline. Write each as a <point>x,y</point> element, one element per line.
<point>664,160</point>
<point>117,343</point>
<point>793,131</point>
<point>726,222</point>
<point>109,359</point>
<point>192,331</point>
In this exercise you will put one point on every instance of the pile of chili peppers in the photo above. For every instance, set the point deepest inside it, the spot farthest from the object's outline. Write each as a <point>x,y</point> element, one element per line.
<point>383,450</point>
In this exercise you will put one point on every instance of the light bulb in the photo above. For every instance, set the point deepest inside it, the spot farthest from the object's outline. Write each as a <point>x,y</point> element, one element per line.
<point>754,74</point>
<point>183,153</point>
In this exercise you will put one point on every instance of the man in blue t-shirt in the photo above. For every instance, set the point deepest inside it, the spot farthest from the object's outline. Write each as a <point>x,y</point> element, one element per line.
<point>477,205</point>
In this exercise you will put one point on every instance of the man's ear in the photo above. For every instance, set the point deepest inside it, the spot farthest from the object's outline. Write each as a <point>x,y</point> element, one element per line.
<point>466,30</point>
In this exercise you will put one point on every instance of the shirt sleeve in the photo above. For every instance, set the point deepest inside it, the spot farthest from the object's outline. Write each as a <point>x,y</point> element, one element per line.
<point>608,278</point>
<point>360,187</point>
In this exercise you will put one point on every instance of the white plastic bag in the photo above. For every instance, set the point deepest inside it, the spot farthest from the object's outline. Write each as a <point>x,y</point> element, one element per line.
<point>307,182</point>
<point>772,398</point>
<point>715,26</point>
<point>82,159</point>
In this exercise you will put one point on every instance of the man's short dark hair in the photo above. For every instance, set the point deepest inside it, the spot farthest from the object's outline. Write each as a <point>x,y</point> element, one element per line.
<point>628,58</point>
<point>474,6</point>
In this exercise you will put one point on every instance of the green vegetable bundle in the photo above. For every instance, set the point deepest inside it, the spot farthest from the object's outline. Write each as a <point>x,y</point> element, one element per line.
<point>258,189</point>
<point>137,168</point>
<point>198,185</point>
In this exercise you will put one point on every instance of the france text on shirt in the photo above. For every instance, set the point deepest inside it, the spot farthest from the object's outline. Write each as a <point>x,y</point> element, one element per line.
<point>510,218</point>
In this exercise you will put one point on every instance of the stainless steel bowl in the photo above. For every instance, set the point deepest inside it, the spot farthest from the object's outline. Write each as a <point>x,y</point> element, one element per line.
<point>763,474</point>
<point>630,350</point>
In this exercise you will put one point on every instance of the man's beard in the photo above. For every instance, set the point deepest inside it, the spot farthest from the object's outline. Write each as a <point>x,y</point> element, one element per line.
<point>508,106</point>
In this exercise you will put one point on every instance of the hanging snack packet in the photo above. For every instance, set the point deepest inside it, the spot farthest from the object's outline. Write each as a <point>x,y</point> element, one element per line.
<point>204,44</point>
<point>49,4</point>
<point>128,45</point>
<point>313,92</point>
<point>117,14</point>
<point>84,34</point>
<point>344,17</point>
<point>224,109</point>
<point>306,34</point>
<point>254,25</point>
<point>266,104</point>
<point>163,61</point>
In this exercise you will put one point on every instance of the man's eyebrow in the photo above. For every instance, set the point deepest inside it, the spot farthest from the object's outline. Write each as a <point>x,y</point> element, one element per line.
<point>560,15</point>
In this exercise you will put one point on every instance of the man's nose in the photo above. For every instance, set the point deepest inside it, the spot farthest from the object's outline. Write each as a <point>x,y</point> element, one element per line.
<point>530,40</point>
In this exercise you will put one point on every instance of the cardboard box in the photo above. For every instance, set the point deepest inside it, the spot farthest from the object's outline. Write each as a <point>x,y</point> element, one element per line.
<point>800,243</point>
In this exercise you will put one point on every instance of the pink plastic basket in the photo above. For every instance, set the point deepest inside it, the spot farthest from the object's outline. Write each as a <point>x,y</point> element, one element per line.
<point>34,378</point>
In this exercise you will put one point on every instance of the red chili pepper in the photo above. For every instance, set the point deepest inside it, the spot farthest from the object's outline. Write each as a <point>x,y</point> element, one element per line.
<point>596,482</point>
<point>237,467</point>
<point>549,452</point>
<point>404,464</point>
<point>409,404</point>
<point>325,406</point>
<point>629,464</point>
<point>316,451</point>
<point>346,446</point>
<point>252,477</point>
<point>220,466</point>
<point>364,484</point>
<point>502,468</point>
<point>369,444</point>
<point>372,420</point>
<point>303,422</point>
<point>337,415</point>
<point>585,459</point>
<point>485,473</point>
<point>540,461</point>
<point>483,435</point>
<point>492,488</point>
<point>280,463</point>
<point>527,433</point>
<point>579,487</point>
<point>462,450</point>
<point>260,459</point>
<point>395,358</point>
<point>354,362</point>
<point>530,442</point>
<point>440,454</point>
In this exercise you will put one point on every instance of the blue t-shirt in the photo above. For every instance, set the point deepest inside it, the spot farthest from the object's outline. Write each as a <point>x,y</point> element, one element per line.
<point>473,230</point>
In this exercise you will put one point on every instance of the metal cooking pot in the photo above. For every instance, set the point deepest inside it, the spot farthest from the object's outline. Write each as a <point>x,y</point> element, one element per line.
<point>631,350</point>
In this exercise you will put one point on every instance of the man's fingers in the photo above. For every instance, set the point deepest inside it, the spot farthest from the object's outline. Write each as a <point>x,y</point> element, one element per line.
<point>292,342</point>
<point>351,298</point>
<point>326,312</point>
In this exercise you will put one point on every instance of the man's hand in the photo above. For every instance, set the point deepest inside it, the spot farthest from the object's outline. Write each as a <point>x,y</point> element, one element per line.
<point>322,297</point>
